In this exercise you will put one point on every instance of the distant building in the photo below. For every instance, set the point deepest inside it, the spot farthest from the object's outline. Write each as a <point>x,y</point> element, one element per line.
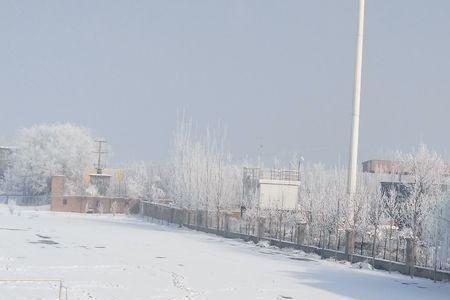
<point>60,201</point>
<point>270,189</point>
<point>111,181</point>
<point>378,166</point>
<point>101,182</point>
<point>381,166</point>
<point>392,177</point>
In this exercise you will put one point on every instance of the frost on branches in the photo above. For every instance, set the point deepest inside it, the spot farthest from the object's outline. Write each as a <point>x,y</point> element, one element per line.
<point>47,150</point>
<point>142,182</point>
<point>409,204</point>
<point>202,173</point>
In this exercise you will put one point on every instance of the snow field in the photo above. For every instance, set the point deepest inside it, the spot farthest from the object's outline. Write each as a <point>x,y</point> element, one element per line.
<point>118,257</point>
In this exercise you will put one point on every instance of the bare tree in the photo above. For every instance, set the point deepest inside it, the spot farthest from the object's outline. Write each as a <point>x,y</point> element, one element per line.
<point>425,172</point>
<point>204,176</point>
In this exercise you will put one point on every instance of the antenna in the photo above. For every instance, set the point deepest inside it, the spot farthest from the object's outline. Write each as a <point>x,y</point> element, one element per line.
<point>99,152</point>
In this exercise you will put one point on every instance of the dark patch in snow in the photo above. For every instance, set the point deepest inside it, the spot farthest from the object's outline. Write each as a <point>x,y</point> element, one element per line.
<point>46,242</point>
<point>408,283</point>
<point>12,229</point>
<point>100,247</point>
<point>412,283</point>
<point>285,297</point>
<point>160,257</point>
<point>43,236</point>
<point>302,259</point>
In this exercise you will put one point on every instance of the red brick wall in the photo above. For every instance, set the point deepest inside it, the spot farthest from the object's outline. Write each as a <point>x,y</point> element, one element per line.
<point>83,204</point>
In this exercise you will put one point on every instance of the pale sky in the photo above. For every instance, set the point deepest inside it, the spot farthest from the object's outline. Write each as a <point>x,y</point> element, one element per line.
<point>277,73</point>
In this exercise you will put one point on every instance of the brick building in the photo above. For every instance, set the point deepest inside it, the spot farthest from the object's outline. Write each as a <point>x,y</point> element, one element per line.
<point>61,202</point>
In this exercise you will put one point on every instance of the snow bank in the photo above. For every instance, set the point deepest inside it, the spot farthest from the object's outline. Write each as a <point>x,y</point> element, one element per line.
<point>263,244</point>
<point>365,265</point>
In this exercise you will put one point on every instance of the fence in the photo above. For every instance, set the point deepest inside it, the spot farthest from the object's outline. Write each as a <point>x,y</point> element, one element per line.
<point>384,245</point>
<point>25,200</point>
<point>271,174</point>
<point>388,255</point>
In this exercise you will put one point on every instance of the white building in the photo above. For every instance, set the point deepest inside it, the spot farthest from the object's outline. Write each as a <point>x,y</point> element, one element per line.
<point>270,189</point>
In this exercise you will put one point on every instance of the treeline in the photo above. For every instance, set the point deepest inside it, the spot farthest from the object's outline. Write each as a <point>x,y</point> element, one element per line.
<point>410,202</point>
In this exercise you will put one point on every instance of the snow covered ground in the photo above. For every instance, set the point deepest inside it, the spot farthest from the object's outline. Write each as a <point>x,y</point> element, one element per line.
<point>106,257</point>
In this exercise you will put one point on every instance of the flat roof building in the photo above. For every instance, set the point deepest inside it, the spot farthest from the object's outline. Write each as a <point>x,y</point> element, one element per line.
<point>270,189</point>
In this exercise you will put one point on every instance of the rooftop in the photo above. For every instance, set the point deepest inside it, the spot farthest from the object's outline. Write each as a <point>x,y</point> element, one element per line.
<point>271,174</point>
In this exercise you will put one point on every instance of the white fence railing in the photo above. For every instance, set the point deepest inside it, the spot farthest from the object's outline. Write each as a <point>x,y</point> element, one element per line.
<point>55,285</point>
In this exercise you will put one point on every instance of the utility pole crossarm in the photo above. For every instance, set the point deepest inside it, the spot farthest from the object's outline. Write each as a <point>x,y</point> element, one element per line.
<point>98,167</point>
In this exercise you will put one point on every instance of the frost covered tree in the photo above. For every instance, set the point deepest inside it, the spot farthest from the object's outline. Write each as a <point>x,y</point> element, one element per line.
<point>203,176</point>
<point>425,171</point>
<point>46,150</point>
<point>375,208</point>
<point>391,207</point>
<point>321,199</point>
<point>142,181</point>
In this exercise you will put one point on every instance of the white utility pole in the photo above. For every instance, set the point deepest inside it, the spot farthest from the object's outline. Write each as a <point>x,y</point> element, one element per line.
<point>353,160</point>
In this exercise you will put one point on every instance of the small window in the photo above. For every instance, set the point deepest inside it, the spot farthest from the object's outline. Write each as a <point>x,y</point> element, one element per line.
<point>64,201</point>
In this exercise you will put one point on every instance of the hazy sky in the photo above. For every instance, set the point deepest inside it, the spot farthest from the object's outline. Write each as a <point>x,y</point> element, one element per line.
<point>278,73</point>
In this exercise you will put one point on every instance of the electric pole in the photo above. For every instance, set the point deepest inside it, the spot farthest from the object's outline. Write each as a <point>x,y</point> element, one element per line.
<point>353,160</point>
<point>99,152</point>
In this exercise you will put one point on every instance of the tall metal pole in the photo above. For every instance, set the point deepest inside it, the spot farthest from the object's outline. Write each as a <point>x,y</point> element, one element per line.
<point>99,157</point>
<point>353,160</point>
